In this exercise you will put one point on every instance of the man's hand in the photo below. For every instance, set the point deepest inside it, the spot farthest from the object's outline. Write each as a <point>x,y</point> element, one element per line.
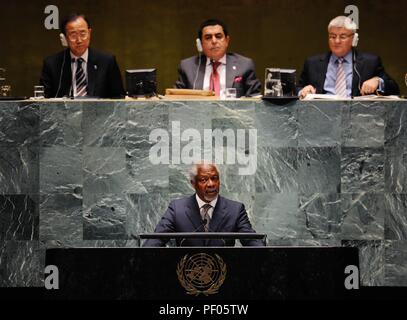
<point>306,90</point>
<point>370,86</point>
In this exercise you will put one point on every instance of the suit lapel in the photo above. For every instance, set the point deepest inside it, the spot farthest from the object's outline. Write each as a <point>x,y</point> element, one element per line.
<point>323,68</point>
<point>201,73</point>
<point>231,70</point>
<point>219,214</point>
<point>355,77</point>
<point>193,214</point>
<point>66,82</point>
<point>92,73</point>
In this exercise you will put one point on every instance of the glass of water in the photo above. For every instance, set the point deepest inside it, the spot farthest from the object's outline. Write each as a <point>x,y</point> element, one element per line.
<point>39,92</point>
<point>230,93</point>
<point>2,75</point>
<point>5,90</point>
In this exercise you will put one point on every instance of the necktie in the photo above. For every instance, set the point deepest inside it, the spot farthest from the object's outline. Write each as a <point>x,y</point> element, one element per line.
<point>205,215</point>
<point>80,78</point>
<point>214,84</point>
<point>340,85</point>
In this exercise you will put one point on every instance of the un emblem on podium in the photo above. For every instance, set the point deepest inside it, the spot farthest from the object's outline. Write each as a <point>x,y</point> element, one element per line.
<point>201,273</point>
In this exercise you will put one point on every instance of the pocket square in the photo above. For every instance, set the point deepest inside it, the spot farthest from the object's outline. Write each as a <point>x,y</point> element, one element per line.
<point>238,79</point>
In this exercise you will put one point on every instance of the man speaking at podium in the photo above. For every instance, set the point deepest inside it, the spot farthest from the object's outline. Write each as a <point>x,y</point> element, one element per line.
<point>217,70</point>
<point>205,211</point>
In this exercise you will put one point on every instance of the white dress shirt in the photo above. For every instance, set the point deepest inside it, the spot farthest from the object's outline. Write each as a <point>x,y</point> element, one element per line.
<point>202,203</point>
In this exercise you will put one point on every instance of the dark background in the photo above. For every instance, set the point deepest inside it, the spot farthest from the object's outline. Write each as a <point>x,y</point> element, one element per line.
<point>159,33</point>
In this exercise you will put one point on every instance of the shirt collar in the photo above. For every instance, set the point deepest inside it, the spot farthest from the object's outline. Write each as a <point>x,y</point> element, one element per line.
<point>346,58</point>
<point>221,60</point>
<point>202,203</point>
<point>84,56</point>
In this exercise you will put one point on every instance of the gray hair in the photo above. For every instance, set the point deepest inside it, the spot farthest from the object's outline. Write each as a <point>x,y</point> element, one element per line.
<point>193,170</point>
<point>343,22</point>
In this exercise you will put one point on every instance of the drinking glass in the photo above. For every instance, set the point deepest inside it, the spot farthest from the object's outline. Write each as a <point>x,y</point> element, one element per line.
<point>38,92</point>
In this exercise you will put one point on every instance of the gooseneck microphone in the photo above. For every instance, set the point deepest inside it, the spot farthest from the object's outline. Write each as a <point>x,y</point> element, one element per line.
<point>356,71</point>
<point>199,48</point>
<point>60,75</point>
<point>204,221</point>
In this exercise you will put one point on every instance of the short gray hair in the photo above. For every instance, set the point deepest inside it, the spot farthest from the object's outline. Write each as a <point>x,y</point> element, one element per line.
<point>193,170</point>
<point>343,22</point>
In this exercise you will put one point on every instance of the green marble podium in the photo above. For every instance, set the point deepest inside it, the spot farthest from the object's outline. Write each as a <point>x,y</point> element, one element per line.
<point>318,173</point>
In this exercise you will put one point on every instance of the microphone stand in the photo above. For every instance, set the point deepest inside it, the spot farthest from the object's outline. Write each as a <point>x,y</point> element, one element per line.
<point>356,70</point>
<point>204,221</point>
<point>197,70</point>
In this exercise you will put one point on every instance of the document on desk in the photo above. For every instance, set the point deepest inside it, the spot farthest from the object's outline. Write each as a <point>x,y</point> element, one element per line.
<point>375,97</point>
<point>317,96</point>
<point>312,96</point>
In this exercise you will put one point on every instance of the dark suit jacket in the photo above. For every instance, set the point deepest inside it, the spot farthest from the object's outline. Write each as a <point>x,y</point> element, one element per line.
<point>240,74</point>
<point>104,78</point>
<point>183,215</point>
<point>367,65</point>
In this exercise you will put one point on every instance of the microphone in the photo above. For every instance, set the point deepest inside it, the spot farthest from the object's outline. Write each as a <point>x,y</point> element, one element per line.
<point>356,70</point>
<point>60,76</point>
<point>199,48</point>
<point>204,221</point>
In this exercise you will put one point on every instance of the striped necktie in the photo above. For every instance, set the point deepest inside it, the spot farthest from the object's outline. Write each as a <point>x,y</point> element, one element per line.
<point>340,85</point>
<point>80,78</point>
<point>205,215</point>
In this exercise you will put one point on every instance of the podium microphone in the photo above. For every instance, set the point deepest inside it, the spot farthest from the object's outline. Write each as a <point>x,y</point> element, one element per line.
<point>200,49</point>
<point>204,221</point>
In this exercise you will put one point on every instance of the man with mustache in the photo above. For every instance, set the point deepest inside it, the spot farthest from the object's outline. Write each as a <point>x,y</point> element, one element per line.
<point>205,211</point>
<point>216,69</point>
<point>81,71</point>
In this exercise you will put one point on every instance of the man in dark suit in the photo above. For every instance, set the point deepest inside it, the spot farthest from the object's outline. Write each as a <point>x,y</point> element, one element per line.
<point>80,70</point>
<point>344,71</point>
<point>216,69</point>
<point>204,211</point>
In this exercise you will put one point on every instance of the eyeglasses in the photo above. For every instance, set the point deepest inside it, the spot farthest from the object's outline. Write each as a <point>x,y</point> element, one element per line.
<point>341,37</point>
<point>83,35</point>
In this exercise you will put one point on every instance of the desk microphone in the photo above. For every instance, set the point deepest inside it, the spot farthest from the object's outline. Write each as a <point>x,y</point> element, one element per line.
<point>354,45</point>
<point>60,76</point>
<point>356,71</point>
<point>199,48</point>
<point>204,221</point>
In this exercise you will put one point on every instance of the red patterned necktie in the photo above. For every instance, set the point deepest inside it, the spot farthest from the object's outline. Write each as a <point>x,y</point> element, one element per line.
<point>214,84</point>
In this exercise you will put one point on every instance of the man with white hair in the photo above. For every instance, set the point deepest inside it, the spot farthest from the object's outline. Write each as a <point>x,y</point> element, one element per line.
<point>344,71</point>
<point>205,211</point>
